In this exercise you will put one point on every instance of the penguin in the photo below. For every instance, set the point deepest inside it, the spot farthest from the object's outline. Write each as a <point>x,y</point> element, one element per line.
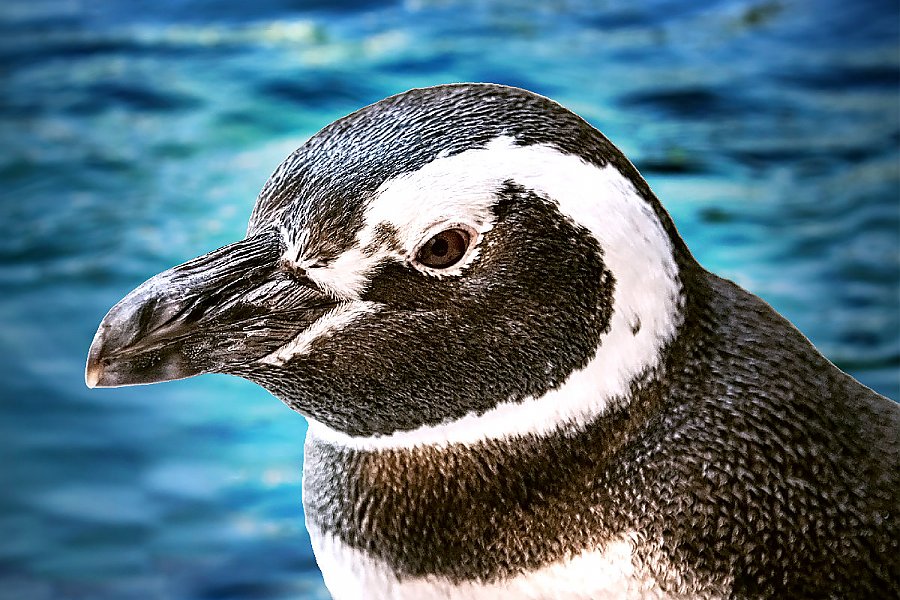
<point>519,383</point>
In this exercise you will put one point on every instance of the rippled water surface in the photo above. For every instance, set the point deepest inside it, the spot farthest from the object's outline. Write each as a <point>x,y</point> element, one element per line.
<point>136,136</point>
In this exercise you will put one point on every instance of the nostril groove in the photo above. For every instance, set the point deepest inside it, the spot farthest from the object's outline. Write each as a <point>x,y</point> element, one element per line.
<point>200,308</point>
<point>298,274</point>
<point>145,317</point>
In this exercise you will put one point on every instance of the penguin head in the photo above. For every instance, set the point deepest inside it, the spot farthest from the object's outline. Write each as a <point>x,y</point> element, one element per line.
<point>466,258</point>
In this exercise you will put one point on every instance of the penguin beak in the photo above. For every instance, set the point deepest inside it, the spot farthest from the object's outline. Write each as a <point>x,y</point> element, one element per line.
<point>217,313</point>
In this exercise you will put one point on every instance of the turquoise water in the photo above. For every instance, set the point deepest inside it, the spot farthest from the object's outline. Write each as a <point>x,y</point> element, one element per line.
<point>136,136</point>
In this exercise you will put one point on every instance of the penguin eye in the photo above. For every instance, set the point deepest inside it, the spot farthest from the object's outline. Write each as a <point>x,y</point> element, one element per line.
<point>444,249</point>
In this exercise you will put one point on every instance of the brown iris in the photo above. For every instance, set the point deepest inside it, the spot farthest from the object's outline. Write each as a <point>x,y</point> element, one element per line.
<point>445,249</point>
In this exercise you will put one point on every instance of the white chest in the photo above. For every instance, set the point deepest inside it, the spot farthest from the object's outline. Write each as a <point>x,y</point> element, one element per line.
<point>608,573</point>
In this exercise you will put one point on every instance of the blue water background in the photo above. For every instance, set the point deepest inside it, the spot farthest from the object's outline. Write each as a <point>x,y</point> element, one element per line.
<point>136,135</point>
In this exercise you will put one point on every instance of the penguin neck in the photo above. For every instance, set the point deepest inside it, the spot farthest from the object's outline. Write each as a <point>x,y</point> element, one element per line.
<point>461,500</point>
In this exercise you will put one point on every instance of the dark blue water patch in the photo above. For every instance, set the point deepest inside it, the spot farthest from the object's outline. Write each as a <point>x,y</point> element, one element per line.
<point>845,24</point>
<point>761,14</point>
<point>119,462</point>
<point>855,364</point>
<point>36,23</point>
<point>864,338</point>
<point>254,124</point>
<point>117,12</point>
<point>860,300</point>
<point>58,464</point>
<point>626,18</point>
<point>672,166</point>
<point>16,171</point>
<point>94,99</point>
<point>108,536</point>
<point>715,215</point>
<point>429,62</point>
<point>692,103</point>
<point>172,149</point>
<point>48,232</point>
<point>107,163</point>
<point>874,77</point>
<point>812,167</point>
<point>865,272</point>
<point>243,576</point>
<point>647,14</point>
<point>318,90</point>
<point>484,25</point>
<point>100,97</point>
<point>808,246</point>
<point>861,153</point>
<point>25,55</point>
<point>243,588</point>
<point>808,160</point>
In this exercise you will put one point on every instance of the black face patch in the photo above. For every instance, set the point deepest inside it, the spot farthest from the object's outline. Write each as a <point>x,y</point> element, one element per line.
<point>525,314</point>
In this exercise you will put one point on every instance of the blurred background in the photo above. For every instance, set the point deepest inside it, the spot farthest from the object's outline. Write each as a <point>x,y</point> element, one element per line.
<point>136,135</point>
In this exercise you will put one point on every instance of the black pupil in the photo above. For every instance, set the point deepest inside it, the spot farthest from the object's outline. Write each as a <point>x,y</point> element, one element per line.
<point>440,247</point>
<point>445,249</point>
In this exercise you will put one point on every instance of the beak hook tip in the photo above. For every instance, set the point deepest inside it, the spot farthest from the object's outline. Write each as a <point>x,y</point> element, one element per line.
<point>93,374</point>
